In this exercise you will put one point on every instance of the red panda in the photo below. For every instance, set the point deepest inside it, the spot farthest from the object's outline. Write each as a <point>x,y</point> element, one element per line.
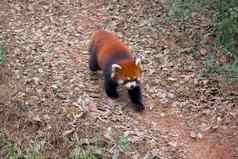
<point>109,54</point>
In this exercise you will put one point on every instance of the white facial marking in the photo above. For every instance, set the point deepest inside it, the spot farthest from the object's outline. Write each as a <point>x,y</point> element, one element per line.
<point>130,84</point>
<point>113,74</point>
<point>115,66</point>
<point>138,62</point>
<point>120,81</point>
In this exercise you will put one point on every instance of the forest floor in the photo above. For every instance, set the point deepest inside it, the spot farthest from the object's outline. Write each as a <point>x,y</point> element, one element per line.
<point>49,98</point>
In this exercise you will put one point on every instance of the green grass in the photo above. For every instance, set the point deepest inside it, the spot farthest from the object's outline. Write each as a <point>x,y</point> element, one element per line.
<point>2,51</point>
<point>35,150</point>
<point>9,150</point>
<point>79,153</point>
<point>179,9</point>
<point>226,25</point>
<point>223,16</point>
<point>90,148</point>
<point>85,148</point>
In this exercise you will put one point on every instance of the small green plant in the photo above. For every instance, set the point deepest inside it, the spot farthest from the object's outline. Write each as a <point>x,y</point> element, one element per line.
<point>85,148</point>
<point>175,10</point>
<point>209,65</point>
<point>1,55</point>
<point>35,151</point>
<point>79,153</point>
<point>123,143</point>
<point>231,72</point>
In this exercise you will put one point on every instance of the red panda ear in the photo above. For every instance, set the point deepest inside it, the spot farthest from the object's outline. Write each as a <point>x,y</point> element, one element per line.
<point>138,62</point>
<point>115,67</point>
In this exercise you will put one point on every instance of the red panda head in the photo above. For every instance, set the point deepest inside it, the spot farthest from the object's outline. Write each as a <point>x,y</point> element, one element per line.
<point>127,72</point>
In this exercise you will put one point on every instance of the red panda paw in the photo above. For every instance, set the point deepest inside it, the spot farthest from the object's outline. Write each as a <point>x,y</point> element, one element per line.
<point>139,107</point>
<point>113,96</point>
<point>112,93</point>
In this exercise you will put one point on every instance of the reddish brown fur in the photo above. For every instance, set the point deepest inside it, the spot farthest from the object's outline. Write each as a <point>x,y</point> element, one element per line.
<point>129,70</point>
<point>109,47</point>
<point>109,54</point>
<point>106,45</point>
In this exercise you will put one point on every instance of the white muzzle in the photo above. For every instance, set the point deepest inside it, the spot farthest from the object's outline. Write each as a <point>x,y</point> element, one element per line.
<point>131,84</point>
